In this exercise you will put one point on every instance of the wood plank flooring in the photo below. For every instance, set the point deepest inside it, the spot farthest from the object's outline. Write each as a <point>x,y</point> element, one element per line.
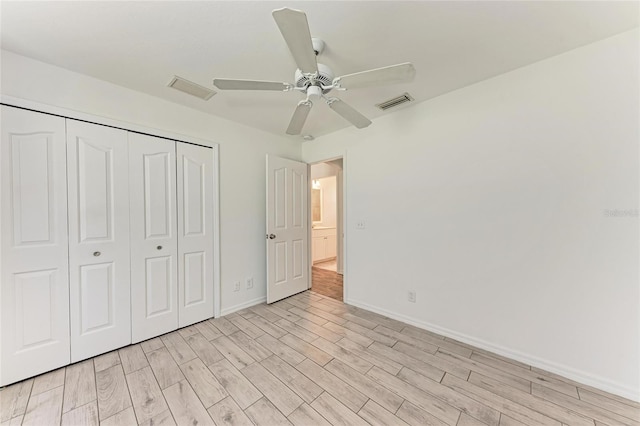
<point>327,283</point>
<point>307,360</point>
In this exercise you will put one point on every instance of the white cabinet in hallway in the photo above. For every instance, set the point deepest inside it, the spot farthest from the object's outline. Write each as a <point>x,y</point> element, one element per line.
<point>317,248</point>
<point>154,242</point>
<point>34,290</point>
<point>195,233</point>
<point>324,244</point>
<point>331,245</point>
<point>98,197</point>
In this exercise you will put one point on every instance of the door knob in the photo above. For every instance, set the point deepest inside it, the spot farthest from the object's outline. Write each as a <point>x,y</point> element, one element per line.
<point>159,247</point>
<point>96,253</point>
<point>271,236</point>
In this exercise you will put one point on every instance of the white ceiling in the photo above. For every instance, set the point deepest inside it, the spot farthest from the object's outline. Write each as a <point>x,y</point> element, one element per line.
<point>142,45</point>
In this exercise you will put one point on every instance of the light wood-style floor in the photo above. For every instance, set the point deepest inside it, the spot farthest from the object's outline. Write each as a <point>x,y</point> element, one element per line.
<point>307,360</point>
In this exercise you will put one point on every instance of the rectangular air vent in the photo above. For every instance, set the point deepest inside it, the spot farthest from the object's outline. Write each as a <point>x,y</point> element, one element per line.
<point>191,88</point>
<point>404,98</point>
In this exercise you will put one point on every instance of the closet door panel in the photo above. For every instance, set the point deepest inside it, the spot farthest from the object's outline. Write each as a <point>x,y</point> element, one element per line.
<point>195,278</point>
<point>154,285</point>
<point>96,297</point>
<point>34,295</point>
<point>195,233</point>
<point>97,164</point>
<point>160,290</point>
<point>95,190</point>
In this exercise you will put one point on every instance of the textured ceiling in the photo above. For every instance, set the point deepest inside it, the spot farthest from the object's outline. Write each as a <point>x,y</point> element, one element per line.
<point>142,45</point>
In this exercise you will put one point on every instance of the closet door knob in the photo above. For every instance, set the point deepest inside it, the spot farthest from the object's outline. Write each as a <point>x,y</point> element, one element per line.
<point>159,247</point>
<point>96,253</point>
<point>271,236</point>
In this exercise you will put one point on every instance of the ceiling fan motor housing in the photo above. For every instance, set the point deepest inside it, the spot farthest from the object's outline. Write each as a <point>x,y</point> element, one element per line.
<point>324,78</point>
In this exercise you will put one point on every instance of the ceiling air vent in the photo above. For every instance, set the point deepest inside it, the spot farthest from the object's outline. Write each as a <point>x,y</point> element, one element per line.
<point>191,88</point>
<point>404,98</point>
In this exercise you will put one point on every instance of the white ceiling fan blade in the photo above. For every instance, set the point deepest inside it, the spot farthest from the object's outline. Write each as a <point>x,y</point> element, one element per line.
<point>299,117</point>
<point>377,77</point>
<point>348,113</point>
<point>295,30</point>
<point>226,84</point>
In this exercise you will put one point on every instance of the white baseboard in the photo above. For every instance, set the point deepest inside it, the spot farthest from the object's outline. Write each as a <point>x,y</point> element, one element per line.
<point>552,367</point>
<point>247,304</point>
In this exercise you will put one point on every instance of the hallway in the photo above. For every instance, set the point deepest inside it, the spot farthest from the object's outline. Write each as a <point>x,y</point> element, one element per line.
<point>326,282</point>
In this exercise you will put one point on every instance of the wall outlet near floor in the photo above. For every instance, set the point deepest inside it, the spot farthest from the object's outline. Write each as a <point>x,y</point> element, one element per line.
<point>411,296</point>
<point>236,286</point>
<point>360,224</point>
<point>249,283</point>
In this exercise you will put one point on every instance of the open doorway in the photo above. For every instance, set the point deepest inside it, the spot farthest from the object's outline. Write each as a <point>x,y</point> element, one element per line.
<point>326,217</point>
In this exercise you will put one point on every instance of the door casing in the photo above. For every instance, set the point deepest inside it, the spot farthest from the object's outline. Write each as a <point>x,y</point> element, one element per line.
<point>341,207</point>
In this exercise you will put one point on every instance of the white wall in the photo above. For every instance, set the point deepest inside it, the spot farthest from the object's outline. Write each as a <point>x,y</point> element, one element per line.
<point>322,170</point>
<point>328,188</point>
<point>242,155</point>
<point>493,208</point>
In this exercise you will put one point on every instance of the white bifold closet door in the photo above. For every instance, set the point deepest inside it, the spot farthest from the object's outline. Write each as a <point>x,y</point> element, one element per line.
<point>98,195</point>
<point>154,242</point>
<point>195,233</point>
<point>34,290</point>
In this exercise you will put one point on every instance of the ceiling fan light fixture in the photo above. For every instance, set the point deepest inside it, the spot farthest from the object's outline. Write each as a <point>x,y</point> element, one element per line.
<point>315,91</point>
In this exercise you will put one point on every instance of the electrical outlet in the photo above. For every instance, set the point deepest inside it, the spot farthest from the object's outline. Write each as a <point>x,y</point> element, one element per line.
<point>249,283</point>
<point>412,296</point>
<point>360,224</point>
<point>236,286</point>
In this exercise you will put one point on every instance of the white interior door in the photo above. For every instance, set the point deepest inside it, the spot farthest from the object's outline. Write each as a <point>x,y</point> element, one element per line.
<point>195,233</point>
<point>340,221</point>
<point>287,235</point>
<point>34,294</point>
<point>97,163</point>
<point>154,242</point>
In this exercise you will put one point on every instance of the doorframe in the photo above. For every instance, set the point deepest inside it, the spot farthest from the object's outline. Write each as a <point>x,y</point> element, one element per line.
<point>217,291</point>
<point>344,215</point>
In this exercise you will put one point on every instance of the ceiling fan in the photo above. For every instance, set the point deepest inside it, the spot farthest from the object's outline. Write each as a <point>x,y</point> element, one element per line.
<point>314,79</point>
